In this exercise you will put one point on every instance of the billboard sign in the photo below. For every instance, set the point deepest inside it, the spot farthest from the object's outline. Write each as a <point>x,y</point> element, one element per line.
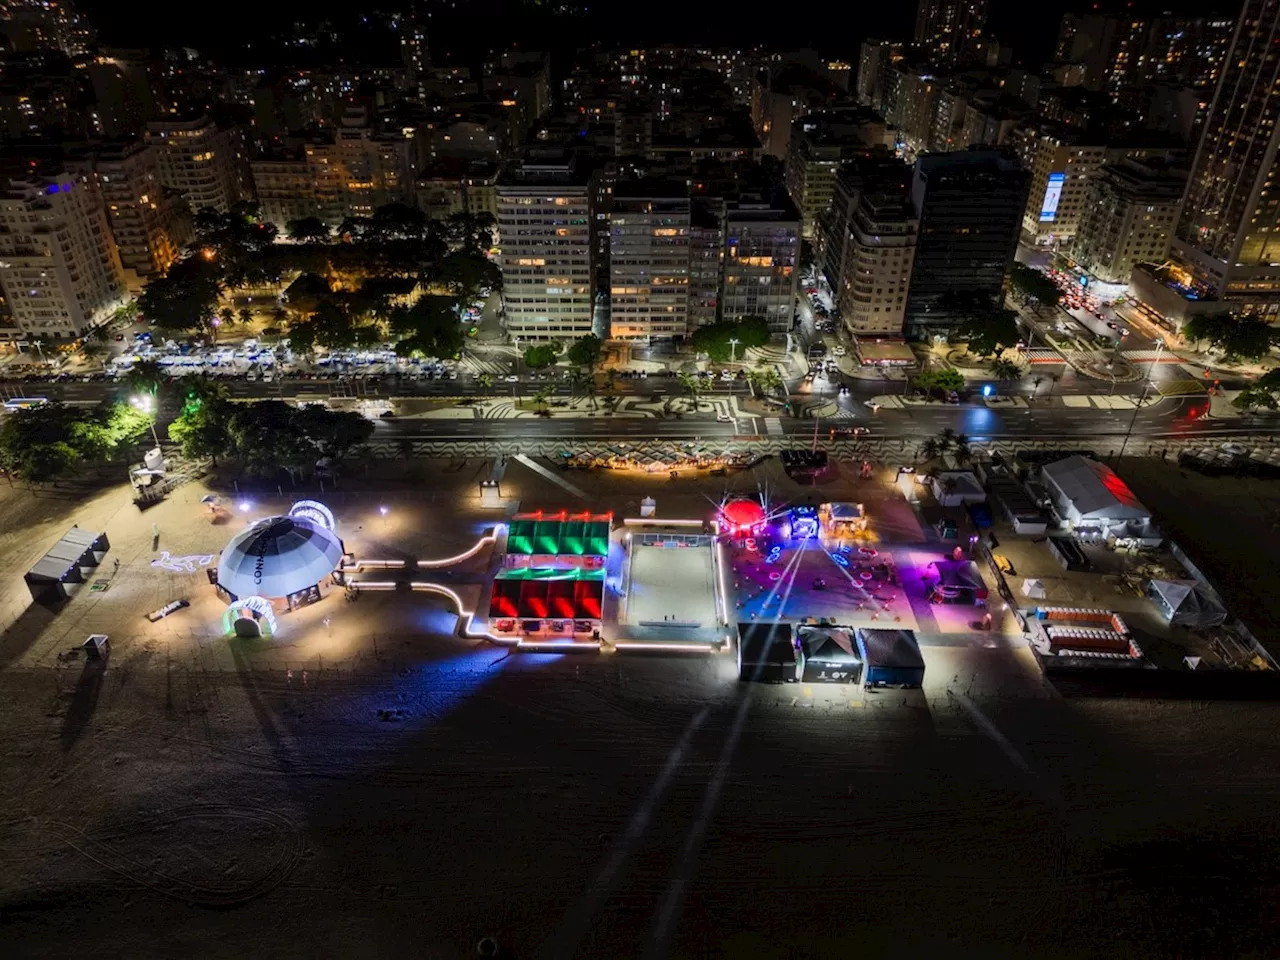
<point>1052,193</point>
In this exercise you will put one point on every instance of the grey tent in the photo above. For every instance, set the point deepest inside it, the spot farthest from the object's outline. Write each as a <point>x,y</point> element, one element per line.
<point>1186,603</point>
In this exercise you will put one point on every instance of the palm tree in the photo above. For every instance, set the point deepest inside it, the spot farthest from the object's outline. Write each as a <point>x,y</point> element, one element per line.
<point>227,316</point>
<point>692,385</point>
<point>946,439</point>
<point>963,453</point>
<point>485,381</point>
<point>540,398</point>
<point>931,449</point>
<point>245,315</point>
<point>1004,370</point>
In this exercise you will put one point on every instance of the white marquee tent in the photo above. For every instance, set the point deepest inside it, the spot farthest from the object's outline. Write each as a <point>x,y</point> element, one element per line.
<point>277,557</point>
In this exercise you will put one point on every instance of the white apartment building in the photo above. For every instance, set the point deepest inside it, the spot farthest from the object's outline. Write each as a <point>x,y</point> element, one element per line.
<point>544,230</point>
<point>1060,174</point>
<point>649,261</point>
<point>1129,218</point>
<point>59,268</point>
<point>199,161</point>
<point>761,262</point>
<point>149,222</point>
<point>879,253</point>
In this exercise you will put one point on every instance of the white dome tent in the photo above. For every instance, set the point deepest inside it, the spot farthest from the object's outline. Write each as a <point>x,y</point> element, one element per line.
<point>278,557</point>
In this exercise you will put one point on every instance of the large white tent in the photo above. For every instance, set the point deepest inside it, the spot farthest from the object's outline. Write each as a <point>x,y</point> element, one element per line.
<point>277,557</point>
<point>1095,502</point>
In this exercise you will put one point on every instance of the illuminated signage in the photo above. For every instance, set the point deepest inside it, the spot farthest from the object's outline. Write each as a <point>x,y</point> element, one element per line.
<point>1052,193</point>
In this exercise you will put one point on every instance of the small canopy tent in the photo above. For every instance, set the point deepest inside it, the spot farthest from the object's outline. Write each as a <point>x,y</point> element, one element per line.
<point>1186,603</point>
<point>1033,588</point>
<point>830,653</point>
<point>65,563</point>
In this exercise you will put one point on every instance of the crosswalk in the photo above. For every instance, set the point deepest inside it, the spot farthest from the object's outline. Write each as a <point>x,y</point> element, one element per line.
<point>1042,355</point>
<point>773,426</point>
<point>475,366</point>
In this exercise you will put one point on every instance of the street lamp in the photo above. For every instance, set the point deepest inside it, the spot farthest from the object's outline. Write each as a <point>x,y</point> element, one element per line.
<point>384,511</point>
<point>733,348</point>
<point>1146,385</point>
<point>146,404</point>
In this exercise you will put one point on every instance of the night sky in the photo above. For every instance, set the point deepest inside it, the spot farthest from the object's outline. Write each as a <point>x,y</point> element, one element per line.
<point>834,29</point>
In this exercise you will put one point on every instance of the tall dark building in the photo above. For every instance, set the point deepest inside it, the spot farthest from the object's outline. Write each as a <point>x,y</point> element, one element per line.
<point>1228,237</point>
<point>969,205</point>
<point>946,28</point>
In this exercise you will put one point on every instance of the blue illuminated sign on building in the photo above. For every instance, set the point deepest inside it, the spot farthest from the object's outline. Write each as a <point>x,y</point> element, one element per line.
<point>1052,194</point>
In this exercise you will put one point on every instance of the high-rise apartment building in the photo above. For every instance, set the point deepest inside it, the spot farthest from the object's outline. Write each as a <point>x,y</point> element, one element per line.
<point>945,29</point>
<point>58,265</point>
<point>761,261</point>
<point>149,222</point>
<point>544,230</point>
<point>1228,236</point>
<point>357,170</point>
<point>45,25</point>
<point>1061,167</point>
<point>349,172</point>
<point>820,143</point>
<point>874,61</point>
<point>969,205</point>
<point>414,53</point>
<point>866,244</point>
<point>121,91</point>
<point>879,256</point>
<point>1130,210</point>
<point>200,161</point>
<point>706,259</point>
<point>649,261</point>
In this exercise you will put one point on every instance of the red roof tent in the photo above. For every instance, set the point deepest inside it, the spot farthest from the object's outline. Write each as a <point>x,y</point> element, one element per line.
<point>741,514</point>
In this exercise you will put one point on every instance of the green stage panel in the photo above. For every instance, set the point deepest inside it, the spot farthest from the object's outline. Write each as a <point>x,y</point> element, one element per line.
<point>546,537</point>
<point>597,534</point>
<point>573,537</point>
<point>520,537</point>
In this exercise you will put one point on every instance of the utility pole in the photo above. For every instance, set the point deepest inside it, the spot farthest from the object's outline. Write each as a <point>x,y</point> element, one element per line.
<point>1145,386</point>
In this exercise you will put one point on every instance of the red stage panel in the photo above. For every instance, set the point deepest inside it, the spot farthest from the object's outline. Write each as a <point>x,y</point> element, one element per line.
<point>588,596</point>
<point>505,599</point>
<point>561,599</point>
<point>533,599</point>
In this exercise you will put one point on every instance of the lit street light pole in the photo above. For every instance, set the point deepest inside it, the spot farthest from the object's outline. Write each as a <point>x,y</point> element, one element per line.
<point>733,349</point>
<point>146,404</point>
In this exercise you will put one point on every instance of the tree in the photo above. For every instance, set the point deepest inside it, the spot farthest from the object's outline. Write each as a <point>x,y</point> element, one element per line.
<point>145,376</point>
<point>585,351</point>
<point>1238,338</point>
<point>541,355</point>
<point>245,316</point>
<point>51,441</point>
<point>308,230</point>
<point>540,398</point>
<point>714,339</point>
<point>766,380</point>
<point>333,433</point>
<point>226,316</point>
<point>1003,370</point>
<point>931,449</point>
<point>1263,392</point>
<point>471,231</point>
<point>989,330</point>
<point>465,272</point>
<point>485,382</point>
<point>396,221</point>
<point>200,430</point>
<point>943,380</point>
<point>692,385</point>
<point>1032,284</point>
<point>185,298</point>
<point>429,328</point>
<point>265,438</point>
